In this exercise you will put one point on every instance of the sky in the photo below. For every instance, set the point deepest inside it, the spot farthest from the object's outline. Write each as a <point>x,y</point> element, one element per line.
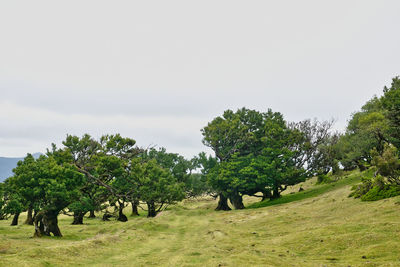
<point>159,71</point>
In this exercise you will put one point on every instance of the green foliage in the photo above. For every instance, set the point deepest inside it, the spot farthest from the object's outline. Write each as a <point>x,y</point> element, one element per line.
<point>313,146</point>
<point>381,192</point>
<point>119,172</point>
<point>391,103</point>
<point>388,163</point>
<point>361,189</point>
<point>158,185</point>
<point>84,204</point>
<point>3,202</point>
<point>386,183</point>
<point>14,206</point>
<point>197,185</point>
<point>233,132</point>
<point>258,152</point>
<point>376,125</point>
<point>57,185</point>
<point>177,165</point>
<point>366,130</point>
<point>324,179</point>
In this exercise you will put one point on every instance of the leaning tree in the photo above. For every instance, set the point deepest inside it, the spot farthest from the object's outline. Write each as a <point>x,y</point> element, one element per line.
<point>55,186</point>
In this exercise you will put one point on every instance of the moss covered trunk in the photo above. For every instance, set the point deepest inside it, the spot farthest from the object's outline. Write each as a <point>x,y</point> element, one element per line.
<point>223,203</point>
<point>237,201</point>
<point>46,223</point>
<point>121,216</point>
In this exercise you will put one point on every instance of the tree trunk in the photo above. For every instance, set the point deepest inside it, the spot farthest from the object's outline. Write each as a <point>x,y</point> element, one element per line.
<point>107,216</point>
<point>15,219</point>
<point>222,203</point>
<point>121,216</point>
<point>78,218</point>
<point>46,223</point>
<point>151,209</point>
<point>275,193</point>
<point>29,217</point>
<point>266,195</point>
<point>237,201</point>
<point>91,214</point>
<point>135,211</point>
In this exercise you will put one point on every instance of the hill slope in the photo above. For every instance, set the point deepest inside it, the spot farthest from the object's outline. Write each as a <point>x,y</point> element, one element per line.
<point>326,229</point>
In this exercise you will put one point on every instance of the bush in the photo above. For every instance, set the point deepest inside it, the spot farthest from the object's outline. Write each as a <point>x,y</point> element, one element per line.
<point>324,179</point>
<point>377,192</point>
<point>372,189</point>
<point>361,189</point>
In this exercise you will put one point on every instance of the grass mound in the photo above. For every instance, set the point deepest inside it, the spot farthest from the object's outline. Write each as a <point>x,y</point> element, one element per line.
<point>316,191</point>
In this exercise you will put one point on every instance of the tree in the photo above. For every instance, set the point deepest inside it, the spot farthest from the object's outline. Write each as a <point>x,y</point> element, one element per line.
<point>388,164</point>
<point>205,163</point>
<point>158,188</point>
<point>177,165</point>
<point>55,186</point>
<point>367,129</point>
<point>23,181</point>
<point>391,103</point>
<point>105,164</point>
<point>227,135</point>
<point>3,201</point>
<point>308,137</point>
<point>258,153</point>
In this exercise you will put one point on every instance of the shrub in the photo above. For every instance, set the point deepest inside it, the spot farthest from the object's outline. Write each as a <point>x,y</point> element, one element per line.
<point>324,179</point>
<point>377,192</point>
<point>372,189</point>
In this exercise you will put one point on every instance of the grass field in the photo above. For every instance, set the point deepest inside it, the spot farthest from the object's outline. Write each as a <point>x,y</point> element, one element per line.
<point>318,227</point>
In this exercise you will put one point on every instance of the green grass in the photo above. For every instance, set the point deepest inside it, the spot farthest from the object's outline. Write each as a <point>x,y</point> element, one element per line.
<point>317,190</point>
<point>326,228</point>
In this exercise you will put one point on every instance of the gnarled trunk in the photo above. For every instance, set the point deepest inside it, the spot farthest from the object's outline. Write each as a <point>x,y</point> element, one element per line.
<point>121,216</point>
<point>46,223</point>
<point>29,217</point>
<point>78,217</point>
<point>91,214</point>
<point>275,193</point>
<point>237,201</point>
<point>15,219</point>
<point>135,211</point>
<point>151,209</point>
<point>222,203</point>
<point>107,216</point>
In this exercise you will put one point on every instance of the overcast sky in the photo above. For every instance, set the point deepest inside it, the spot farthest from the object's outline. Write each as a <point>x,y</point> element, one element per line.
<point>158,71</point>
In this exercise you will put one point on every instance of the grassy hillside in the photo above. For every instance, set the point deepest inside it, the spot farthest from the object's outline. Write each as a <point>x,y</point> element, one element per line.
<point>324,228</point>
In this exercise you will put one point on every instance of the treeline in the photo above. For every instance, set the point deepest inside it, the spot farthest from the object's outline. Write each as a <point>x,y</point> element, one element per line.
<point>260,154</point>
<point>255,153</point>
<point>372,141</point>
<point>89,175</point>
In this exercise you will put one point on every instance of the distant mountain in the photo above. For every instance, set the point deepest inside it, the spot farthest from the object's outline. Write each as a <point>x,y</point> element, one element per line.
<point>7,164</point>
